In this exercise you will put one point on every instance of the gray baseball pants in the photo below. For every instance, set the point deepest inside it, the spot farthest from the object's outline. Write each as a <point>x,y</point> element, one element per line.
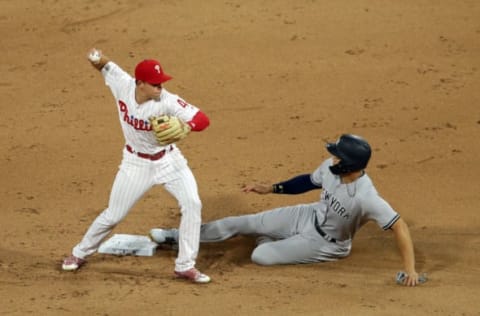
<point>289,232</point>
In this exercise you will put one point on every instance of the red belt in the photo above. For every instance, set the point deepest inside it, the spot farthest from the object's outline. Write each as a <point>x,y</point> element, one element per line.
<point>156,156</point>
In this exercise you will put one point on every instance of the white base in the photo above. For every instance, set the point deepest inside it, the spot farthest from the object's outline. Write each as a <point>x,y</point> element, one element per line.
<point>124,244</point>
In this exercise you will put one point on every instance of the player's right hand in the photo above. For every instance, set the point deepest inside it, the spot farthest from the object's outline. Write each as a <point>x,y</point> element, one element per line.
<point>94,55</point>
<point>258,188</point>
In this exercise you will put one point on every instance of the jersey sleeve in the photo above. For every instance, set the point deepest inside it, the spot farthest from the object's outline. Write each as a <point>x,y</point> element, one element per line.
<point>318,175</point>
<point>178,107</point>
<point>379,210</point>
<point>116,78</point>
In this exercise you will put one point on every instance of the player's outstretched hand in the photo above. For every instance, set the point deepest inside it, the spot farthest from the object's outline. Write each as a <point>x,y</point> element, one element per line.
<point>97,58</point>
<point>94,55</point>
<point>411,279</point>
<point>258,188</point>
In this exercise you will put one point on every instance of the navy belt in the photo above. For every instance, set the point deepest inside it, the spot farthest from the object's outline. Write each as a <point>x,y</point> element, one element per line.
<point>326,236</point>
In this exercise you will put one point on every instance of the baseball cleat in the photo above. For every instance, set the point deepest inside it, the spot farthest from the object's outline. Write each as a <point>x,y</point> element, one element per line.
<point>193,275</point>
<point>72,263</point>
<point>163,236</point>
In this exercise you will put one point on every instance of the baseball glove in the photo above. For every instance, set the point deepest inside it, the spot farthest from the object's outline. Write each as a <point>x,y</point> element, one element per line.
<point>169,129</point>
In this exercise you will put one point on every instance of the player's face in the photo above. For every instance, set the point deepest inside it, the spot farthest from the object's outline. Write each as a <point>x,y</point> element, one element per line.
<point>152,91</point>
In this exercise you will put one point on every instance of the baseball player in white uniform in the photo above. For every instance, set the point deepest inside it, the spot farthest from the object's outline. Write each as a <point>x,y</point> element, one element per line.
<point>145,163</point>
<point>320,231</point>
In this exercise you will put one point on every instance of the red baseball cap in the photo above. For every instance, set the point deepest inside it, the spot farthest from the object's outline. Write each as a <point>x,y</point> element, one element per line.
<point>151,72</point>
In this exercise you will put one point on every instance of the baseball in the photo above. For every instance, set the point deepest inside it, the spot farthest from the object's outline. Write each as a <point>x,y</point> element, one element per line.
<point>95,56</point>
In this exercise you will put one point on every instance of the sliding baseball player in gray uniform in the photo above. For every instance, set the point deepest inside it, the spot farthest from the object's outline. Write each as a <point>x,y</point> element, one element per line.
<point>320,231</point>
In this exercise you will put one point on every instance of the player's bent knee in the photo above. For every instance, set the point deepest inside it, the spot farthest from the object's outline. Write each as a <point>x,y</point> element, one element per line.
<point>192,205</point>
<point>262,257</point>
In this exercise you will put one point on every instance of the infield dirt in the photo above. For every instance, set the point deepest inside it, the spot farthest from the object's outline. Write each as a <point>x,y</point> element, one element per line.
<point>277,79</point>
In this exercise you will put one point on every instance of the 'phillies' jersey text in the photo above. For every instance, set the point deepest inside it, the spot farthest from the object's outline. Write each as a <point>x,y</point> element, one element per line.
<point>137,124</point>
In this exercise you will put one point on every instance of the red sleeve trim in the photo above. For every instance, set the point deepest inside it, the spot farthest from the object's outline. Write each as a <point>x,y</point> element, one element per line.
<point>199,122</point>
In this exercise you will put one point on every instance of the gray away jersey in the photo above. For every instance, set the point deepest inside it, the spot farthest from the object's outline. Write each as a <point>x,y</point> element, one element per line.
<point>344,208</point>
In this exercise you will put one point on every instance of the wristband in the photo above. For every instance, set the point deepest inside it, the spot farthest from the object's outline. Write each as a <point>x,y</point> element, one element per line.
<point>277,188</point>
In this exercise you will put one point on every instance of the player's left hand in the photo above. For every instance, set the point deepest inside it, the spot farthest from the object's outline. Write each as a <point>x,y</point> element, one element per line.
<point>410,279</point>
<point>169,129</point>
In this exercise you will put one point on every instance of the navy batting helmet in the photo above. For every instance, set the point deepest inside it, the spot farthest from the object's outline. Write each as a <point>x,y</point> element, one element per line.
<point>353,151</point>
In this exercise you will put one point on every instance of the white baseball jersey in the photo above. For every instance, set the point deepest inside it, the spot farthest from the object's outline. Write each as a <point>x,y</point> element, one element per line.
<point>136,175</point>
<point>134,117</point>
<point>347,207</point>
